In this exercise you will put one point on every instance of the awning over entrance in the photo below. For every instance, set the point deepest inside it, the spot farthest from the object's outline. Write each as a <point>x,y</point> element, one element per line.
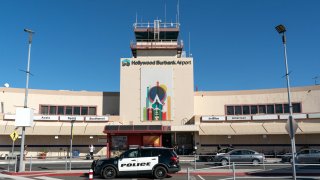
<point>136,129</point>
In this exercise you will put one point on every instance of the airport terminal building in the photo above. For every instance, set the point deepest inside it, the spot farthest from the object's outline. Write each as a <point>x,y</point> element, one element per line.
<point>157,106</point>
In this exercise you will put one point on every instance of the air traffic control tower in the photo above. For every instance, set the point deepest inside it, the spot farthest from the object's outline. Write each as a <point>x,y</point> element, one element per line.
<point>156,83</point>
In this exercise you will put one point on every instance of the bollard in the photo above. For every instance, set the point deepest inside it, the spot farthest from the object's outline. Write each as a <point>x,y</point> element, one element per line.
<point>90,174</point>
<point>30,165</point>
<point>234,171</point>
<point>195,161</point>
<point>188,175</point>
<point>66,162</point>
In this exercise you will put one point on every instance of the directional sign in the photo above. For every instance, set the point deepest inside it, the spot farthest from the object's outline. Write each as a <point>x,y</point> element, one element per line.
<point>294,126</point>
<point>14,135</point>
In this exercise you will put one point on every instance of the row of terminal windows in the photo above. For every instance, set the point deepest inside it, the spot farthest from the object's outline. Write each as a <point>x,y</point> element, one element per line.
<point>67,110</point>
<point>262,109</point>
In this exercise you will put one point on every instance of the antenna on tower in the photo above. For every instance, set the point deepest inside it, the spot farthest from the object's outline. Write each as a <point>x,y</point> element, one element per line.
<point>178,4</point>
<point>165,12</point>
<point>136,17</point>
<point>189,46</point>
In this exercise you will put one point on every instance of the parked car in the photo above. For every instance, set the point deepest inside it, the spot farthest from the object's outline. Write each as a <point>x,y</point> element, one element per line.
<point>156,161</point>
<point>210,156</point>
<point>308,156</point>
<point>287,157</point>
<point>303,156</point>
<point>240,156</point>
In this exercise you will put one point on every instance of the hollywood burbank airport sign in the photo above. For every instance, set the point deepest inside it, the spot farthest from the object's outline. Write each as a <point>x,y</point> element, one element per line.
<point>128,62</point>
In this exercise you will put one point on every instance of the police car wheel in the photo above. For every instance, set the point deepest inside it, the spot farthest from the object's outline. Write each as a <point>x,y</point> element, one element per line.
<point>109,173</point>
<point>160,172</point>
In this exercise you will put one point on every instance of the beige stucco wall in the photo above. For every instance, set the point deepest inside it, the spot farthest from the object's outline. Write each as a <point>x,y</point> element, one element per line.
<point>213,102</point>
<point>130,77</point>
<point>106,103</point>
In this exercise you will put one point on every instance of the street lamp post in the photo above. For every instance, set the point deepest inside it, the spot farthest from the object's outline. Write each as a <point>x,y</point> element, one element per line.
<point>21,164</point>
<point>71,138</point>
<point>281,30</point>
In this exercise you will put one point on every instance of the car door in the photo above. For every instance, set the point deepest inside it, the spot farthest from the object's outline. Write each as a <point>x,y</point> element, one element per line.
<point>127,162</point>
<point>302,156</point>
<point>247,156</point>
<point>235,156</point>
<point>313,156</point>
<point>147,160</point>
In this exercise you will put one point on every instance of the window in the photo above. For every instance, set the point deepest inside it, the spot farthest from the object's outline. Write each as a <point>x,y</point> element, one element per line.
<point>60,110</point>
<point>245,110</point>
<point>279,108</point>
<point>69,110</point>
<point>262,109</point>
<point>84,111</point>
<point>296,107</point>
<point>53,110</point>
<point>146,152</point>
<point>238,152</point>
<point>238,110</point>
<point>270,109</point>
<point>254,109</point>
<point>131,154</point>
<point>92,110</point>
<point>230,110</point>
<point>44,110</point>
<point>286,108</point>
<point>247,152</point>
<point>76,110</point>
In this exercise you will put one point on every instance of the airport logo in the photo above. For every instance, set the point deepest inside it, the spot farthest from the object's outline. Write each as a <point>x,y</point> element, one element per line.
<point>125,62</point>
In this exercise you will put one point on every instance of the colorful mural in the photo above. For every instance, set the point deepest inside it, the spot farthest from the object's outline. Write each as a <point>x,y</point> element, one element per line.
<point>156,97</point>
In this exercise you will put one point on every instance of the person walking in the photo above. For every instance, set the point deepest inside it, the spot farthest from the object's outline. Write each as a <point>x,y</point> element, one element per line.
<point>25,152</point>
<point>91,149</point>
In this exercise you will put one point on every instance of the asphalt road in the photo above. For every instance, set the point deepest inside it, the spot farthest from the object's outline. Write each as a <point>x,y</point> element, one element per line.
<point>84,165</point>
<point>173,177</point>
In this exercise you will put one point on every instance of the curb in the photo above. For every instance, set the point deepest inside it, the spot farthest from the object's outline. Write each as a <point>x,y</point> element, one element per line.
<point>263,174</point>
<point>37,173</point>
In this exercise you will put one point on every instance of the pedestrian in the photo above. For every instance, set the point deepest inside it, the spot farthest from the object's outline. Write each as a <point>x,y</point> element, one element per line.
<point>219,147</point>
<point>91,149</point>
<point>25,152</point>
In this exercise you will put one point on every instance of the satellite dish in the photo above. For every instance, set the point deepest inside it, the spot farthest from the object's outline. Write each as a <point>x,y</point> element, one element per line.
<point>6,85</point>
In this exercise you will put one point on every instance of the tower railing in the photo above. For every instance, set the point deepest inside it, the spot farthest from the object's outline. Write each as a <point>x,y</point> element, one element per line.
<point>151,25</point>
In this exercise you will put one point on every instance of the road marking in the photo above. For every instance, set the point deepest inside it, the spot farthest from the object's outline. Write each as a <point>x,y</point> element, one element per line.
<point>193,178</point>
<point>201,177</point>
<point>13,177</point>
<point>257,177</point>
<point>46,178</point>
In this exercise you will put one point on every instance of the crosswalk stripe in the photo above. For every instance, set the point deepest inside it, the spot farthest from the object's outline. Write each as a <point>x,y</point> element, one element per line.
<point>46,178</point>
<point>201,177</point>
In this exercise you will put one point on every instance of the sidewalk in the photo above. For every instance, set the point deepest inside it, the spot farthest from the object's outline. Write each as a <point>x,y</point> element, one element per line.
<point>212,170</point>
<point>205,171</point>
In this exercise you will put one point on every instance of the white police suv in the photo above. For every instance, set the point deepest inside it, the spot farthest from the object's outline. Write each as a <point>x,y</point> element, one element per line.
<point>156,161</point>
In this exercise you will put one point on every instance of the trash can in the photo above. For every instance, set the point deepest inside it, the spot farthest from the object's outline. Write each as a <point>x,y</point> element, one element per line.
<point>88,156</point>
<point>75,153</point>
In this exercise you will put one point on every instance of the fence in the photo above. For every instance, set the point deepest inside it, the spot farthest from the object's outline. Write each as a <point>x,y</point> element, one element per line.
<point>65,162</point>
<point>241,170</point>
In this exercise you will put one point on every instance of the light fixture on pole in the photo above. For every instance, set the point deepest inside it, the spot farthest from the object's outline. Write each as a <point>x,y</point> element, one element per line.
<point>21,165</point>
<point>291,125</point>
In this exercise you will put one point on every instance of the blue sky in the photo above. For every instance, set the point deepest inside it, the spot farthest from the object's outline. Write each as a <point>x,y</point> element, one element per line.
<point>78,43</point>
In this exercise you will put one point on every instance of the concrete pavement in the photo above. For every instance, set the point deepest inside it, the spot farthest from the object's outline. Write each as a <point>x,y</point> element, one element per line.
<point>271,168</point>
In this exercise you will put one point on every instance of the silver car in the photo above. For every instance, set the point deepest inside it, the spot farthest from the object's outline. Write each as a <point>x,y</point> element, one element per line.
<point>240,156</point>
<point>308,156</point>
